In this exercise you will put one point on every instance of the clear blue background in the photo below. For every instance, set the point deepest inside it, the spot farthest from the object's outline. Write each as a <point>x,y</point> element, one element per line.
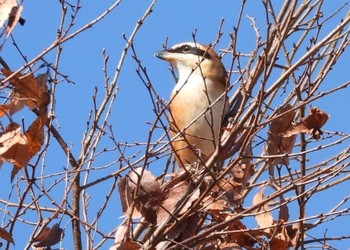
<point>82,61</point>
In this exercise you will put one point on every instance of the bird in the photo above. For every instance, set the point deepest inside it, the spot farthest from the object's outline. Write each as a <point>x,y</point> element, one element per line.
<point>198,103</point>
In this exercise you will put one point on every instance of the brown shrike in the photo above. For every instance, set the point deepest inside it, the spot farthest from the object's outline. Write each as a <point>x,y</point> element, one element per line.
<point>198,102</point>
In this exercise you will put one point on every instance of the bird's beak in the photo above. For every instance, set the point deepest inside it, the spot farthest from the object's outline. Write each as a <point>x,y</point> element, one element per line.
<point>164,55</point>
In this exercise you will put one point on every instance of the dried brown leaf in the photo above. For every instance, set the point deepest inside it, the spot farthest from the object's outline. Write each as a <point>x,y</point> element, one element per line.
<point>129,245</point>
<point>312,124</point>
<point>42,234</point>
<point>230,246</point>
<point>49,236</point>
<point>238,172</point>
<point>142,189</point>
<point>15,105</point>
<point>121,234</point>
<point>174,197</point>
<point>6,235</point>
<point>18,149</point>
<point>262,215</point>
<point>219,205</point>
<point>230,189</point>
<point>281,240</point>
<point>216,207</point>
<point>276,142</point>
<point>284,212</point>
<point>35,135</point>
<point>241,238</point>
<point>294,232</point>
<point>14,147</point>
<point>124,194</point>
<point>32,90</point>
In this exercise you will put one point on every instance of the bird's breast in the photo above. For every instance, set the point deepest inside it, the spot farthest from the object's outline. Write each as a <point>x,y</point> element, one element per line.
<point>197,108</point>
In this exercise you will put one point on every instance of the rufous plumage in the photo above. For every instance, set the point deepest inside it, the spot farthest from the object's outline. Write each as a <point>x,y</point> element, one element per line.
<point>198,102</point>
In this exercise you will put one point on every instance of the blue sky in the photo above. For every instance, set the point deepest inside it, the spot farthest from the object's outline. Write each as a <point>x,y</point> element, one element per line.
<point>82,61</point>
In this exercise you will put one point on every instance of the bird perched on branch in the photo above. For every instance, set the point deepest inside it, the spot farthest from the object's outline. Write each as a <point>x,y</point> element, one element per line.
<point>198,102</point>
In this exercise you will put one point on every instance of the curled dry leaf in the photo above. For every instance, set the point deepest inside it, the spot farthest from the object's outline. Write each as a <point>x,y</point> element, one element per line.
<point>29,90</point>
<point>262,215</point>
<point>216,207</point>
<point>6,235</point>
<point>141,189</point>
<point>121,234</point>
<point>230,190</point>
<point>294,232</point>
<point>127,199</point>
<point>14,146</point>
<point>281,240</point>
<point>242,171</point>
<point>283,215</point>
<point>128,245</point>
<point>15,105</point>
<point>238,235</point>
<point>276,143</point>
<point>226,194</point>
<point>312,124</point>
<point>230,246</point>
<point>18,149</point>
<point>35,135</point>
<point>176,194</point>
<point>49,236</point>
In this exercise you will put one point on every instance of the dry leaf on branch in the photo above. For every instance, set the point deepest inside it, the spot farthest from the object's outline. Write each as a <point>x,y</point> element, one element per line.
<point>35,135</point>
<point>15,105</point>
<point>280,240</point>
<point>175,193</point>
<point>32,91</point>
<point>243,239</point>
<point>126,199</point>
<point>230,246</point>
<point>262,215</point>
<point>230,189</point>
<point>13,146</point>
<point>294,232</point>
<point>242,171</point>
<point>49,236</point>
<point>217,208</point>
<point>128,245</point>
<point>312,124</point>
<point>283,215</point>
<point>141,190</point>
<point>6,235</point>
<point>276,143</point>
<point>18,149</point>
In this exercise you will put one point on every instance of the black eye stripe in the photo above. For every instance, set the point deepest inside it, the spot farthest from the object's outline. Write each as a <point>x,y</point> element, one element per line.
<point>187,49</point>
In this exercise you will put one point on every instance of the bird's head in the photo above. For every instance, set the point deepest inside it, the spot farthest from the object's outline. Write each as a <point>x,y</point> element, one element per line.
<point>194,58</point>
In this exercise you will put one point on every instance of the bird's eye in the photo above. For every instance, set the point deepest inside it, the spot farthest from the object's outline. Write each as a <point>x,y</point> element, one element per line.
<point>186,49</point>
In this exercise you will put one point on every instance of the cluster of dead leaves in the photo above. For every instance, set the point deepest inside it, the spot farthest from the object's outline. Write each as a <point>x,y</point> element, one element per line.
<point>15,147</point>
<point>282,132</point>
<point>180,208</point>
<point>169,205</point>
<point>280,236</point>
<point>10,11</point>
